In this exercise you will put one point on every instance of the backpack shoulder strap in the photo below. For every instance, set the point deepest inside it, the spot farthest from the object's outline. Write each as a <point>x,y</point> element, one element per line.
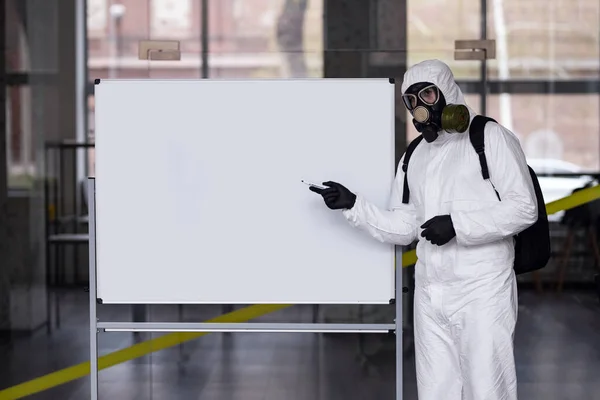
<point>477,137</point>
<point>411,148</point>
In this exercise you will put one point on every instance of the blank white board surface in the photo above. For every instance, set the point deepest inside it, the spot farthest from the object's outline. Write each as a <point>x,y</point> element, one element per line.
<point>199,196</point>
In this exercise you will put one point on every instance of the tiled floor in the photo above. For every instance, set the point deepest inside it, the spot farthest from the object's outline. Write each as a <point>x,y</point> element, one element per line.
<point>557,346</point>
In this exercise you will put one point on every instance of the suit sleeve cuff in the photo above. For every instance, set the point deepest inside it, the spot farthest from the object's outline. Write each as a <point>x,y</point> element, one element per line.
<point>353,214</point>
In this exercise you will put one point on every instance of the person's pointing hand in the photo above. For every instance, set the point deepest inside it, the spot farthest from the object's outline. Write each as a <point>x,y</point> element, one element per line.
<point>336,196</point>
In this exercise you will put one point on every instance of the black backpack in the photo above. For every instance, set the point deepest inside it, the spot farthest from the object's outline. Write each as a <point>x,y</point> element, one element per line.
<point>532,246</point>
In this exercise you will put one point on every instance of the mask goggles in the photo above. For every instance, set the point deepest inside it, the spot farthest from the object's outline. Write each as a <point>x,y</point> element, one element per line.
<point>428,95</point>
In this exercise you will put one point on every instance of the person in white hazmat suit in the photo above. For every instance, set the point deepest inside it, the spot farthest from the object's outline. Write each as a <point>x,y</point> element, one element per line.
<point>465,305</point>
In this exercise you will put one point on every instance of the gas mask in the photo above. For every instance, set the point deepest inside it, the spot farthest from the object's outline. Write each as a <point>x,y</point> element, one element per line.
<point>427,104</point>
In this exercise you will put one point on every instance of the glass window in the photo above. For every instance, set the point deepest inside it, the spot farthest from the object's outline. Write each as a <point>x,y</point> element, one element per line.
<point>538,39</point>
<point>556,131</point>
<point>115,28</point>
<point>17,52</point>
<point>19,146</point>
<point>172,19</point>
<point>20,151</point>
<point>552,127</point>
<point>434,25</point>
<point>266,38</point>
<point>97,18</point>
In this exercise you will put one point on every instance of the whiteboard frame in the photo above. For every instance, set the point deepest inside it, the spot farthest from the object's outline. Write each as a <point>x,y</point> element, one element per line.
<point>112,326</point>
<point>389,279</point>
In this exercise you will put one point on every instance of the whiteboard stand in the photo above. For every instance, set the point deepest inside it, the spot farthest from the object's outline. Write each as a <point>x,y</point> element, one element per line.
<point>96,326</point>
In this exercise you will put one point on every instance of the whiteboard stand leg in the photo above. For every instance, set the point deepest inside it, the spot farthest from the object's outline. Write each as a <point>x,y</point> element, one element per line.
<point>92,288</point>
<point>180,315</point>
<point>139,312</point>
<point>399,325</point>
<point>227,308</point>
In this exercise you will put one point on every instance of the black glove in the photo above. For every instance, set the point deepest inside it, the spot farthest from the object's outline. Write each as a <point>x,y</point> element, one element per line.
<point>439,230</point>
<point>336,196</point>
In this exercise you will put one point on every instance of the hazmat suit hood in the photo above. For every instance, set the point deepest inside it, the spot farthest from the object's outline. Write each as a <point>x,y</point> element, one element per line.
<point>438,73</point>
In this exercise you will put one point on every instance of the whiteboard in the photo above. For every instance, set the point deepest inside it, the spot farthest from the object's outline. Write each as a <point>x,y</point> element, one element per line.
<point>199,196</point>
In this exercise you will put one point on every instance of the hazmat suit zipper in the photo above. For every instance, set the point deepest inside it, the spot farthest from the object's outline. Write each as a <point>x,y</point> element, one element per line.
<point>494,188</point>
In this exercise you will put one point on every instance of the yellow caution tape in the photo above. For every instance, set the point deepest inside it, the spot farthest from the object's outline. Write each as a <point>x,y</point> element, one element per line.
<point>575,200</point>
<point>138,350</point>
<point>66,375</point>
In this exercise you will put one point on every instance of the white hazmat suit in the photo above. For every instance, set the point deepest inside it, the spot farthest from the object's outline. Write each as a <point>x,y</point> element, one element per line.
<point>465,306</point>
